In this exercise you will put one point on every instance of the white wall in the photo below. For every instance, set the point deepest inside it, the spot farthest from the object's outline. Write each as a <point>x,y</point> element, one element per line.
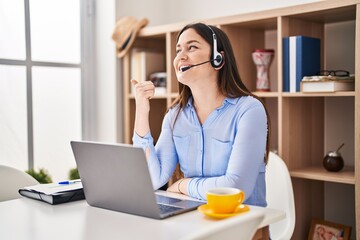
<point>105,64</point>
<point>168,11</point>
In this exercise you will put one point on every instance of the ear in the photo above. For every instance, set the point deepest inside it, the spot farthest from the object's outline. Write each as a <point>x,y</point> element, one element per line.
<point>223,61</point>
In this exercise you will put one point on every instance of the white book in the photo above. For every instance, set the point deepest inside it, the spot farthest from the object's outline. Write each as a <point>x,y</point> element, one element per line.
<point>327,86</point>
<point>144,63</point>
<point>292,65</point>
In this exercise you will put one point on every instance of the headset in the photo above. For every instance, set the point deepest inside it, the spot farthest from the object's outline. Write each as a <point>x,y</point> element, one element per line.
<point>216,57</point>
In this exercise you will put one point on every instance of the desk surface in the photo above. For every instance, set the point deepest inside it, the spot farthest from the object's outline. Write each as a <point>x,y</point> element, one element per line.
<point>30,219</point>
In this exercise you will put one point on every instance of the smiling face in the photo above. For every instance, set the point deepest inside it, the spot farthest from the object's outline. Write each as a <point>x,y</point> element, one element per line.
<point>192,49</point>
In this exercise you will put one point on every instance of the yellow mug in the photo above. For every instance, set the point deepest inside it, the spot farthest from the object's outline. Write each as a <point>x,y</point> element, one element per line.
<point>224,200</point>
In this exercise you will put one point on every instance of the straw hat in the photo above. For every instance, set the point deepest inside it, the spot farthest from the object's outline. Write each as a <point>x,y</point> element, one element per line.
<point>125,32</point>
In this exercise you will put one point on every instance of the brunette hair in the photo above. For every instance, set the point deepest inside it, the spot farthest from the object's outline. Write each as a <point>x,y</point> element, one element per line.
<point>229,81</point>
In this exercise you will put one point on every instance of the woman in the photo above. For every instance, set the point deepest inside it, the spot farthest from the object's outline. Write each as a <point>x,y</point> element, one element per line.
<point>216,129</point>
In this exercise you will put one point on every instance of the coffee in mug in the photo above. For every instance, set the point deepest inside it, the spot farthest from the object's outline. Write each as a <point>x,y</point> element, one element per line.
<point>224,200</point>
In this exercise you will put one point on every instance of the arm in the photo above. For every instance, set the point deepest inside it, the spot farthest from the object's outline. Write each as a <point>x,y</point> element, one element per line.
<point>162,158</point>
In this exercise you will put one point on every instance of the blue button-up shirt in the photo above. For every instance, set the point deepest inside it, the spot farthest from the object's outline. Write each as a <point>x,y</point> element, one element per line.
<point>226,151</point>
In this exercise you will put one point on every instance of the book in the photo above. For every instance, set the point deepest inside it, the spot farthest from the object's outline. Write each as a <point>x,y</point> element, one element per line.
<point>54,193</point>
<point>286,81</point>
<point>327,86</point>
<point>144,63</point>
<point>301,57</point>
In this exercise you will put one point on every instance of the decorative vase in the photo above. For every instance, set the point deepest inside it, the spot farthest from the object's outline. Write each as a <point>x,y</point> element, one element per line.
<point>333,161</point>
<point>263,59</point>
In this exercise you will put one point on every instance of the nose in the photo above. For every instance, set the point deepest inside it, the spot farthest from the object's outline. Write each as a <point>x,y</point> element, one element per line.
<point>180,56</point>
<point>183,57</point>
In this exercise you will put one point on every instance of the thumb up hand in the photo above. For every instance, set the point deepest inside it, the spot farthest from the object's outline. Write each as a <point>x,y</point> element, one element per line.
<point>144,91</point>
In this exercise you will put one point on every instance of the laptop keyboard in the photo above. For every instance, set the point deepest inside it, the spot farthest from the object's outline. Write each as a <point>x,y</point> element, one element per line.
<point>166,208</point>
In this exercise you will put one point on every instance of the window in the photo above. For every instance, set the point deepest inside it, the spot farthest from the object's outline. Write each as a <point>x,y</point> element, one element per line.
<point>41,82</point>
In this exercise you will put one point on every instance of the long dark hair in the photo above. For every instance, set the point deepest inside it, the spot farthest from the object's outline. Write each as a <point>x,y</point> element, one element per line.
<point>229,80</point>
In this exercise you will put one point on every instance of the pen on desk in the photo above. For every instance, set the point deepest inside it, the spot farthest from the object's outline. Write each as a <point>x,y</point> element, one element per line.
<point>69,182</point>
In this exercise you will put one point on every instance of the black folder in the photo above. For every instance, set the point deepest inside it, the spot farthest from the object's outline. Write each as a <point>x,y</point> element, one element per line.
<point>62,196</point>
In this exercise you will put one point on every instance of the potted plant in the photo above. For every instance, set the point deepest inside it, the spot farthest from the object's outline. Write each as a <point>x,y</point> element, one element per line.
<point>74,174</point>
<point>42,176</point>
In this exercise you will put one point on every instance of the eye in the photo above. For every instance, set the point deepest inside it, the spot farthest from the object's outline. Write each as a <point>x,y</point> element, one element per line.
<point>192,47</point>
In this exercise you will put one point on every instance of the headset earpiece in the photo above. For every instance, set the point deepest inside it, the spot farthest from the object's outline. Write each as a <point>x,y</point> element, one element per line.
<point>216,57</point>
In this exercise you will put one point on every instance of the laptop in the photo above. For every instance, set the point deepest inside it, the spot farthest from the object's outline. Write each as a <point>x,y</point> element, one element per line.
<point>116,177</point>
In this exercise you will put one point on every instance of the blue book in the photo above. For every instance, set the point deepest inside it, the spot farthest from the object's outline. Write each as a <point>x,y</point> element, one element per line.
<point>301,56</point>
<point>286,76</point>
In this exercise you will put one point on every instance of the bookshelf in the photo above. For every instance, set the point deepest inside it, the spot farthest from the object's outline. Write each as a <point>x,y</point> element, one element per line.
<point>300,121</point>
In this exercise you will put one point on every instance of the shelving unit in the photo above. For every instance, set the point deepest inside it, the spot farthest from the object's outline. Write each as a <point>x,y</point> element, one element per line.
<point>298,120</point>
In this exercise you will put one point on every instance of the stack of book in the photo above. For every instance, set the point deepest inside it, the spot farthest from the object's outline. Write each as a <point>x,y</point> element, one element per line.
<point>312,84</point>
<point>301,57</point>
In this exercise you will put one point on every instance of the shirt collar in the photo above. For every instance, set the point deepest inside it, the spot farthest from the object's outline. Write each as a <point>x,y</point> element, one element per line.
<point>227,100</point>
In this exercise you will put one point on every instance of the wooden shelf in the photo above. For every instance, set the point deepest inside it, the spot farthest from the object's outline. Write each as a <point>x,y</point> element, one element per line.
<point>174,95</point>
<point>159,96</point>
<point>334,94</point>
<point>266,94</point>
<point>346,175</point>
<point>299,122</point>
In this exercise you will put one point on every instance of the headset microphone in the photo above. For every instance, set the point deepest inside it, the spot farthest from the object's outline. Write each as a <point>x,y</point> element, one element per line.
<point>183,69</point>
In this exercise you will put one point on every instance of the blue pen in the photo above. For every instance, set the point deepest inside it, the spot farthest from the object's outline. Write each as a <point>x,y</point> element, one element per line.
<point>69,182</point>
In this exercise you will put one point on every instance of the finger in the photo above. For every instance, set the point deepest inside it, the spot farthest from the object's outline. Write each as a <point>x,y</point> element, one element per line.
<point>148,94</point>
<point>143,85</point>
<point>145,88</point>
<point>134,82</point>
<point>147,85</point>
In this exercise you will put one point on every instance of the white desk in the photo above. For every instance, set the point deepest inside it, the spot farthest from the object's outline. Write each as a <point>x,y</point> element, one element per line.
<point>33,220</point>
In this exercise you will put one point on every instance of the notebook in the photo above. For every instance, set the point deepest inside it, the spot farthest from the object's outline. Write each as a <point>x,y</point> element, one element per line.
<point>116,177</point>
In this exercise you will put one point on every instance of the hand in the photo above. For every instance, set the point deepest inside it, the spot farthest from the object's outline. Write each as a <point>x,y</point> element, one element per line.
<point>173,188</point>
<point>144,91</point>
<point>180,186</point>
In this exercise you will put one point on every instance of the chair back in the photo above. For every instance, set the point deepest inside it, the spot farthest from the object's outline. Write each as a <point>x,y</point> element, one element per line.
<point>11,180</point>
<point>280,195</point>
<point>242,227</point>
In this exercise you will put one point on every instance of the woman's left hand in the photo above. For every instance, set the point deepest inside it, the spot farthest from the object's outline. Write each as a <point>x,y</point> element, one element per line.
<point>180,186</point>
